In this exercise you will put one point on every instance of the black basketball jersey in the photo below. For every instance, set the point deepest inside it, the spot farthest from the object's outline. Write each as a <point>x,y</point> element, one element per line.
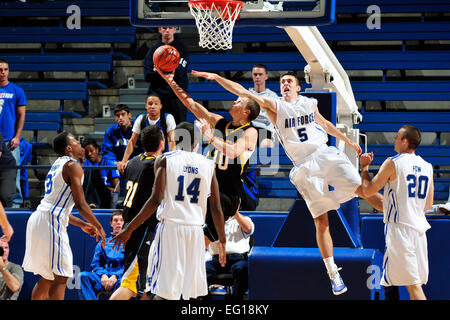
<point>139,176</point>
<point>229,171</point>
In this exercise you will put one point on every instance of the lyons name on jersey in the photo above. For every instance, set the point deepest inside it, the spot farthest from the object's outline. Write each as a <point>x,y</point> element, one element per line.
<point>298,121</point>
<point>189,169</point>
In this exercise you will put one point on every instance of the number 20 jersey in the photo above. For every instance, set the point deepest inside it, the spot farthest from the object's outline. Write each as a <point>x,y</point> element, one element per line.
<point>188,186</point>
<point>298,132</point>
<point>405,197</point>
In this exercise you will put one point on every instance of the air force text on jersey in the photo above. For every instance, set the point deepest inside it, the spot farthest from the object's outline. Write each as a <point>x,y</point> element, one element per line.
<point>298,121</point>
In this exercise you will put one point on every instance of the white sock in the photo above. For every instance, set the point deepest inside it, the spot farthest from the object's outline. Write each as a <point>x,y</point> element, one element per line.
<point>330,265</point>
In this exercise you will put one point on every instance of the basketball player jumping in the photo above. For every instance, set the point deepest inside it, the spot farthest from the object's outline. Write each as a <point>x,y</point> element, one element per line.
<point>302,131</point>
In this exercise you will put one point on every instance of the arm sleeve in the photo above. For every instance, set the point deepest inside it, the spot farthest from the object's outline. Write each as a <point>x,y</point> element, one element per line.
<point>99,261</point>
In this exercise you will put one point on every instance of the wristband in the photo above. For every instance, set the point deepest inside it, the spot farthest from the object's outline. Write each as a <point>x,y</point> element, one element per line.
<point>4,268</point>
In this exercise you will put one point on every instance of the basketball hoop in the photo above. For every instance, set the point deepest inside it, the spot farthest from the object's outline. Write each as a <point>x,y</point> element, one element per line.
<point>215,21</point>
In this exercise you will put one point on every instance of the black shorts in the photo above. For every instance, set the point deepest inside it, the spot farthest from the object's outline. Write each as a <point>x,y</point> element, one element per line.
<point>229,204</point>
<point>135,274</point>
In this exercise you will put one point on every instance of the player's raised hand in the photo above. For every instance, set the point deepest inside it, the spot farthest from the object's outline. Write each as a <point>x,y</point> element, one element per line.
<point>206,75</point>
<point>204,127</point>
<point>366,159</point>
<point>121,238</point>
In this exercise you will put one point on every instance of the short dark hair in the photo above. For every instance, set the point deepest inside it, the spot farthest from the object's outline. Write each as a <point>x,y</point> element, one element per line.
<point>121,107</point>
<point>189,127</point>
<point>118,212</point>
<point>254,109</point>
<point>413,135</point>
<point>92,142</point>
<point>260,65</point>
<point>151,137</point>
<point>293,74</point>
<point>60,142</point>
<point>153,94</point>
<point>4,61</point>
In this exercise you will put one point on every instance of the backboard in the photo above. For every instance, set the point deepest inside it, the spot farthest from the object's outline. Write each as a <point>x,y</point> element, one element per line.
<point>156,13</point>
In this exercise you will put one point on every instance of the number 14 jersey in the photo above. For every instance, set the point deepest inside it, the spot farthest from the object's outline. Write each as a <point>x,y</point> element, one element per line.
<point>188,186</point>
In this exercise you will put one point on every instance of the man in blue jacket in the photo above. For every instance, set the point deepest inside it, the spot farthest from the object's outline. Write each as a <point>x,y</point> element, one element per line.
<point>107,265</point>
<point>171,104</point>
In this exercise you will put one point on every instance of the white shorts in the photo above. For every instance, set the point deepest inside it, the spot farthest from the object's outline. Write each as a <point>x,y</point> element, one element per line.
<point>406,257</point>
<point>176,265</point>
<point>47,250</point>
<point>328,166</point>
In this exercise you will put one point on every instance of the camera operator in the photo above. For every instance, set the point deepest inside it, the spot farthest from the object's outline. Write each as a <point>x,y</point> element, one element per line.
<point>11,275</point>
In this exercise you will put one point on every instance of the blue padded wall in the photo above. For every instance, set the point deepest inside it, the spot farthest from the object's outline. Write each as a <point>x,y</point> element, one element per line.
<point>82,249</point>
<point>372,236</point>
<point>299,273</point>
<point>298,229</point>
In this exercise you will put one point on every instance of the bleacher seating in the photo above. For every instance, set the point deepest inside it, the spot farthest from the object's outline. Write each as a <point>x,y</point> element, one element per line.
<point>61,34</point>
<point>46,120</point>
<point>85,62</point>
<point>430,30</point>
<point>388,6</point>
<point>92,8</point>
<point>350,60</point>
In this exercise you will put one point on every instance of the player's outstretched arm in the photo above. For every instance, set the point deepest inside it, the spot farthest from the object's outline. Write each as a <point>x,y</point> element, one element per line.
<point>217,215</point>
<point>149,207</point>
<point>196,108</point>
<point>72,174</point>
<point>266,103</point>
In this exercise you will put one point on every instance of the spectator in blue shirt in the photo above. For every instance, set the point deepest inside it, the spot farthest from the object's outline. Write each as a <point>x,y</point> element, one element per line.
<point>117,135</point>
<point>13,103</point>
<point>106,267</point>
<point>100,186</point>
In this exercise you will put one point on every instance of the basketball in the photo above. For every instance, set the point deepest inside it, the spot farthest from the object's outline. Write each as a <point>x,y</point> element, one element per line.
<point>166,58</point>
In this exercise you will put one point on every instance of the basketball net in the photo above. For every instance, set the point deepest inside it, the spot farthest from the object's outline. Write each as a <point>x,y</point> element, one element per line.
<point>215,21</point>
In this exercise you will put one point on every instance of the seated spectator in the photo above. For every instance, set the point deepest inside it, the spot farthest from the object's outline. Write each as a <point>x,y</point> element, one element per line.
<point>116,139</point>
<point>441,208</point>
<point>106,267</point>
<point>101,187</point>
<point>7,176</point>
<point>117,135</point>
<point>238,230</point>
<point>11,275</point>
<point>153,107</point>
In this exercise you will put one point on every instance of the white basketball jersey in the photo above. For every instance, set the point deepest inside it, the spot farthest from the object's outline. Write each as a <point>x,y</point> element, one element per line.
<point>297,130</point>
<point>58,195</point>
<point>405,198</point>
<point>188,186</point>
